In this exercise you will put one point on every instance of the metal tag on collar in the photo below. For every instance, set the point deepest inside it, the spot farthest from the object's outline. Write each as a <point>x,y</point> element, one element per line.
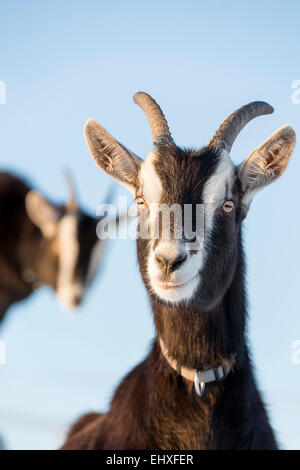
<point>217,373</point>
<point>199,386</point>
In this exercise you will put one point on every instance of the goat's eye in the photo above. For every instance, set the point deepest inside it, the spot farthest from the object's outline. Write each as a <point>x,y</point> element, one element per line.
<point>140,202</point>
<point>228,206</point>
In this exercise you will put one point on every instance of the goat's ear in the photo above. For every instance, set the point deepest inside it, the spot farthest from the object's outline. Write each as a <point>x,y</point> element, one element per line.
<point>42,213</point>
<point>111,156</point>
<point>266,163</point>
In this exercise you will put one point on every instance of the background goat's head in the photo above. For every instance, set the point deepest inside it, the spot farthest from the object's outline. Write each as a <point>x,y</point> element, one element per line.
<point>66,252</point>
<point>175,269</point>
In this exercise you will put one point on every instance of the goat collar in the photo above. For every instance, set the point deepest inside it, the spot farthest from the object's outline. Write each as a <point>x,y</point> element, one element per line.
<point>200,377</point>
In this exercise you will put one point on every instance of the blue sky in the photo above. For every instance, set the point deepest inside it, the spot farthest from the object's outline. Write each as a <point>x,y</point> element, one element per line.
<point>64,62</point>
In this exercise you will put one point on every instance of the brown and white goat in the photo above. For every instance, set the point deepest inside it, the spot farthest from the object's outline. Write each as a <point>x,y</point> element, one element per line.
<point>196,388</point>
<point>42,243</point>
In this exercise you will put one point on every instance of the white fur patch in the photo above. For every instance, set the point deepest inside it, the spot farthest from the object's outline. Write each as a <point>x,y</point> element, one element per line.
<point>149,179</point>
<point>214,191</point>
<point>67,289</point>
<point>183,282</point>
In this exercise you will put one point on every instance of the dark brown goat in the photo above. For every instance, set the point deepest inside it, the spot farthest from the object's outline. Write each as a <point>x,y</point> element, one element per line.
<point>42,243</point>
<point>196,388</point>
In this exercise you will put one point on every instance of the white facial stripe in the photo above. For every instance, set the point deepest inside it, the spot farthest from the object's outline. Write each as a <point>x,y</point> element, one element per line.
<point>151,187</point>
<point>149,180</point>
<point>67,289</point>
<point>214,190</point>
<point>95,259</point>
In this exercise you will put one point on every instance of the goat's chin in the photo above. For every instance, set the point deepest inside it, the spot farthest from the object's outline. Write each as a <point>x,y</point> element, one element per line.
<point>177,294</point>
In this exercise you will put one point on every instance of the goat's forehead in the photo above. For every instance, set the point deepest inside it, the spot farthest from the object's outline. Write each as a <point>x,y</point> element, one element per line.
<point>186,177</point>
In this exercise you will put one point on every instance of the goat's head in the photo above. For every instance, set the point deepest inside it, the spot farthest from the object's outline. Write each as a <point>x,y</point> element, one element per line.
<point>182,268</point>
<point>67,252</point>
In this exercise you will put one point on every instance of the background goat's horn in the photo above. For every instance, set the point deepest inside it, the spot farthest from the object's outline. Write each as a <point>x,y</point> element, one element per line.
<point>229,130</point>
<point>72,203</point>
<point>158,123</point>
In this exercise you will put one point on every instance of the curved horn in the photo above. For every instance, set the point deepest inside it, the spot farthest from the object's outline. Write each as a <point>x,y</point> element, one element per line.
<point>72,203</point>
<point>158,123</point>
<point>232,126</point>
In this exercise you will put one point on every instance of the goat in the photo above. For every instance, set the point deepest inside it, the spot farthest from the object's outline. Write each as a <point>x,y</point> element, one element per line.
<point>196,389</point>
<point>42,243</point>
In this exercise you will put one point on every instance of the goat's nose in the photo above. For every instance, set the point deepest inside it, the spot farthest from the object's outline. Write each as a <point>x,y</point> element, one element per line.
<point>170,264</point>
<point>76,300</point>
